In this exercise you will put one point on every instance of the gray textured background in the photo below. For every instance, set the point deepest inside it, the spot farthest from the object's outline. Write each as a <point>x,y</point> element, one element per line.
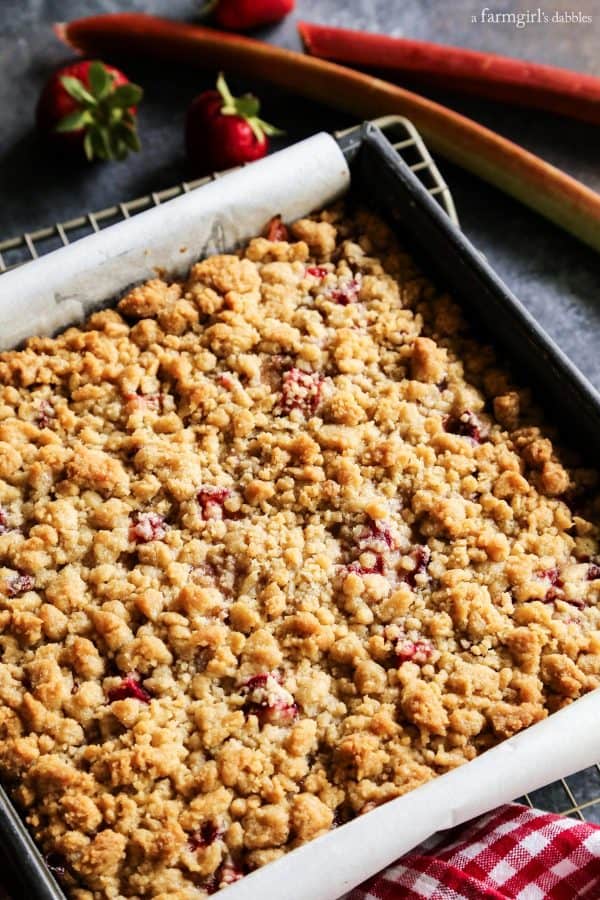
<point>556,277</point>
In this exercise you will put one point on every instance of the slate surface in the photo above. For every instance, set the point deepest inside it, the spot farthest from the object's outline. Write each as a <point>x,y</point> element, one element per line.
<point>558,279</point>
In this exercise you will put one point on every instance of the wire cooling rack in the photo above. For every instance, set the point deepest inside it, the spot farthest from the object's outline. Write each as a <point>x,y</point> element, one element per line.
<point>578,795</point>
<point>20,249</point>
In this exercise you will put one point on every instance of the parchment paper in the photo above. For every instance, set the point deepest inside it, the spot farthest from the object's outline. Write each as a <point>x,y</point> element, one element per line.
<point>329,866</point>
<point>61,288</point>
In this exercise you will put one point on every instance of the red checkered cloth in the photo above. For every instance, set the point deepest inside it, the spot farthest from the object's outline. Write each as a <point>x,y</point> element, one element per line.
<point>513,853</point>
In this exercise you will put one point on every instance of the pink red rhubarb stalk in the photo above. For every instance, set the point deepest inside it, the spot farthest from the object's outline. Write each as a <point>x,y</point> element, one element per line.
<point>457,68</point>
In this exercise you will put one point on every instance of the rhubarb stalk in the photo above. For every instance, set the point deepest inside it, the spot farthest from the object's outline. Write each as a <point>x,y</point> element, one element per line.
<point>456,68</point>
<point>534,182</point>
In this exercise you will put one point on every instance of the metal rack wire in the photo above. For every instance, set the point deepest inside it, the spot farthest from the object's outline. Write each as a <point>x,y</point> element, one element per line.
<point>578,795</point>
<point>25,247</point>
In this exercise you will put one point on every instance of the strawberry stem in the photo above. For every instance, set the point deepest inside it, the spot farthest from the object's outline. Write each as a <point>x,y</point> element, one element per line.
<point>229,101</point>
<point>246,107</point>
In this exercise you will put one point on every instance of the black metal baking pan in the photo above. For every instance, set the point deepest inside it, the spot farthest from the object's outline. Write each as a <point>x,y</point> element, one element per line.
<point>449,258</point>
<point>386,183</point>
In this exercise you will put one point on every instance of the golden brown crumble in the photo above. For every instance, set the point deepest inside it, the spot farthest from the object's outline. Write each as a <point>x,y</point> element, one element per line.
<point>278,543</point>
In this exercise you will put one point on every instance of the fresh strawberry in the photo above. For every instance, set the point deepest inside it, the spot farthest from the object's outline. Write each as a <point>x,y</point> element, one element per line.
<point>242,15</point>
<point>223,131</point>
<point>91,108</point>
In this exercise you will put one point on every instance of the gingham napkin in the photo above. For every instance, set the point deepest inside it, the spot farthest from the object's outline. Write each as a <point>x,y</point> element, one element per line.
<point>514,852</point>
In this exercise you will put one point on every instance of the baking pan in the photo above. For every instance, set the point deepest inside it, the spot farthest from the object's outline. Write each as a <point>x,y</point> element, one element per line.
<point>449,258</point>
<point>383,180</point>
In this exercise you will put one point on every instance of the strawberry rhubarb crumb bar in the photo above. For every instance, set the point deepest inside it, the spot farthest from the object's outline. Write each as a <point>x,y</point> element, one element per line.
<point>278,543</point>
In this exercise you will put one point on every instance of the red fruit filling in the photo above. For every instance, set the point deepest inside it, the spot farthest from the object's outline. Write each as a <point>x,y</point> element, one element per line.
<point>413,651</point>
<point>301,390</point>
<point>317,271</point>
<point>226,380</point>
<point>375,535</point>
<point>45,414</point>
<point>212,500</point>
<point>593,571</point>
<point>276,230</point>
<point>211,886</point>
<point>146,527</point>
<point>150,401</point>
<point>206,835</point>
<point>555,591</point>
<point>551,575</point>
<point>378,567</point>
<point>260,681</point>
<point>422,557</point>
<point>19,584</point>
<point>130,688</point>
<point>230,873</point>
<point>278,713</point>
<point>467,425</point>
<point>268,700</point>
<point>346,294</point>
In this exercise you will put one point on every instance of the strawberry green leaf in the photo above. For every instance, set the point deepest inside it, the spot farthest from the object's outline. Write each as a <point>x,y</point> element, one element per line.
<point>125,95</point>
<point>247,106</point>
<point>96,143</point>
<point>130,138</point>
<point>116,115</point>
<point>223,89</point>
<point>88,146</point>
<point>100,79</point>
<point>270,130</point>
<point>74,121</point>
<point>106,113</point>
<point>127,118</point>
<point>76,90</point>
<point>104,143</point>
<point>121,150</point>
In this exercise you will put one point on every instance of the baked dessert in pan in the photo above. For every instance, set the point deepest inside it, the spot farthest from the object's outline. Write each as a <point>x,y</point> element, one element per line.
<point>278,543</point>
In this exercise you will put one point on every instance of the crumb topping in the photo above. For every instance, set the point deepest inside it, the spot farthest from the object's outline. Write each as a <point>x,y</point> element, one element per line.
<point>278,543</point>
